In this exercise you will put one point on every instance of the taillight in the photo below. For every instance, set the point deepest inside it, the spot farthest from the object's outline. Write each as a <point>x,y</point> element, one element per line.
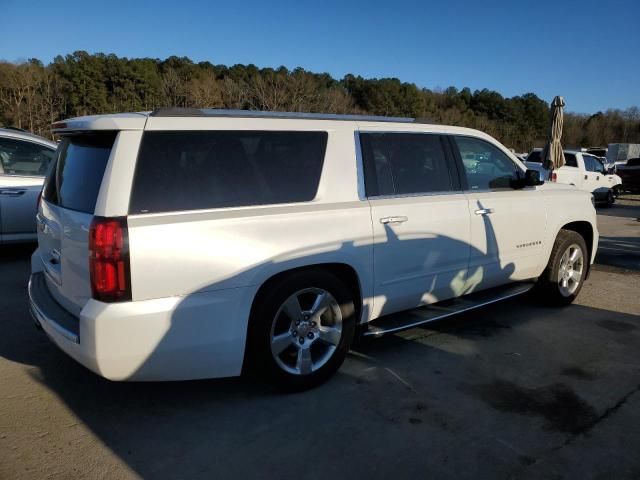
<point>109,259</point>
<point>554,176</point>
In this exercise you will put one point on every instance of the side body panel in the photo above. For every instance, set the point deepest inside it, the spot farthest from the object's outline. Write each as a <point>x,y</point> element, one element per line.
<point>18,207</point>
<point>423,259</point>
<point>183,253</point>
<point>571,175</point>
<point>565,206</point>
<point>508,242</point>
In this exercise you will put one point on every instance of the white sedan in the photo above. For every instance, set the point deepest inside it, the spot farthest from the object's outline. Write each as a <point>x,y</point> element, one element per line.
<point>24,162</point>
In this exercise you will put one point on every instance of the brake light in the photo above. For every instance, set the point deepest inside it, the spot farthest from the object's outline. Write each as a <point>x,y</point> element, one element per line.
<point>109,259</point>
<point>554,176</point>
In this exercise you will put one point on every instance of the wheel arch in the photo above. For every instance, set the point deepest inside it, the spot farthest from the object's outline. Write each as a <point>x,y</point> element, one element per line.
<point>343,271</point>
<point>585,230</point>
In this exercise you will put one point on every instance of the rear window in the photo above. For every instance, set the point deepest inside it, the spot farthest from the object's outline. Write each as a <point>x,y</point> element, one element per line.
<point>214,169</point>
<point>74,181</point>
<point>570,160</point>
<point>534,157</point>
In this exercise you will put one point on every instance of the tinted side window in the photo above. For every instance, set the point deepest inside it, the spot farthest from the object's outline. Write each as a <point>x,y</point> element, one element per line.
<point>591,163</point>
<point>570,160</point>
<point>194,170</point>
<point>75,181</point>
<point>490,168</point>
<point>20,157</point>
<point>404,163</point>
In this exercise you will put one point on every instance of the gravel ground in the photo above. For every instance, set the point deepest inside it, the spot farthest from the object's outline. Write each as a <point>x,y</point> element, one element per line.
<point>514,390</point>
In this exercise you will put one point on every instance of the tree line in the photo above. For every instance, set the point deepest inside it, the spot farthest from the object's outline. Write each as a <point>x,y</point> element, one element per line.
<point>34,95</point>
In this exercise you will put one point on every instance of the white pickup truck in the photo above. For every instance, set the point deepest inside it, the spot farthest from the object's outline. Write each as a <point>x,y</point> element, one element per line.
<point>584,171</point>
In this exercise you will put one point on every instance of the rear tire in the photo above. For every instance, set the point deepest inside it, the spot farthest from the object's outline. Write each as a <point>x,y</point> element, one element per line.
<point>617,191</point>
<point>611,199</point>
<point>300,330</point>
<point>562,280</point>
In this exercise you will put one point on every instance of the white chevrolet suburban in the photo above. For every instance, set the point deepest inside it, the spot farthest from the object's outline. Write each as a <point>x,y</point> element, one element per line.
<point>184,244</point>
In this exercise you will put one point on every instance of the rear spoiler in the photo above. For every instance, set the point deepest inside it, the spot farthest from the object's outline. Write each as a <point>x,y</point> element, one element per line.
<point>124,121</point>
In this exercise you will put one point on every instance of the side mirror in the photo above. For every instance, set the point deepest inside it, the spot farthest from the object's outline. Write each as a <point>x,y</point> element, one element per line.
<point>533,178</point>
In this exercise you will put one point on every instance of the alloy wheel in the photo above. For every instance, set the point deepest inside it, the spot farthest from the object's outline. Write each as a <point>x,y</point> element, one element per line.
<point>306,331</point>
<point>571,270</point>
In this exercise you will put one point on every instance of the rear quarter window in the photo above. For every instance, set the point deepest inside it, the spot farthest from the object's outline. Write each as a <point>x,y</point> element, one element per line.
<point>193,170</point>
<point>570,160</point>
<point>75,179</point>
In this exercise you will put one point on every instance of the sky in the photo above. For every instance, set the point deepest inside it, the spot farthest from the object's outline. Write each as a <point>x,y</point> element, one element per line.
<point>587,51</point>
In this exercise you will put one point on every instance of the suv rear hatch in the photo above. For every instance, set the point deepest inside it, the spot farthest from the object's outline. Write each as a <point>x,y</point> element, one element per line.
<point>68,203</point>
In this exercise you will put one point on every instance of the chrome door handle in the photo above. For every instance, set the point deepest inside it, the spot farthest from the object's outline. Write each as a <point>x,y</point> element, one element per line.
<point>12,192</point>
<point>55,257</point>
<point>484,211</point>
<point>398,219</point>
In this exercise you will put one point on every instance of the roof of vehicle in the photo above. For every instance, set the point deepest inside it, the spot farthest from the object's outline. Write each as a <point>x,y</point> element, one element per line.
<point>216,112</point>
<point>138,120</point>
<point>23,135</point>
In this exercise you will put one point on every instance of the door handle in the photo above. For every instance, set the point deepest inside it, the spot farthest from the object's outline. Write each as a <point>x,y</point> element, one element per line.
<point>12,192</point>
<point>484,211</point>
<point>585,177</point>
<point>398,219</point>
<point>55,257</point>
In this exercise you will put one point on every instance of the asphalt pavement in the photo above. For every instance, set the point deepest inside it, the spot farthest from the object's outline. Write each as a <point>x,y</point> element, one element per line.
<point>514,390</point>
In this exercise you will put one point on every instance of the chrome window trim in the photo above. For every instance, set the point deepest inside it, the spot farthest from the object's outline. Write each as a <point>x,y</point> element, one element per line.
<point>23,176</point>
<point>418,194</point>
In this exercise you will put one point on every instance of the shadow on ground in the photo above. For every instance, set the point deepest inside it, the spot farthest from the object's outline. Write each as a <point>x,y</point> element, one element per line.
<point>625,208</point>
<point>619,252</point>
<point>487,393</point>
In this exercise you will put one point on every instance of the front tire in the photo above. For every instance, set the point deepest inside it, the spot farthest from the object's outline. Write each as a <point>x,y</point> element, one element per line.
<point>300,330</point>
<point>562,280</point>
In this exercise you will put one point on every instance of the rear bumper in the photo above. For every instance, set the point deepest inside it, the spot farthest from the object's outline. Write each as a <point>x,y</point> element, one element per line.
<point>47,312</point>
<point>201,335</point>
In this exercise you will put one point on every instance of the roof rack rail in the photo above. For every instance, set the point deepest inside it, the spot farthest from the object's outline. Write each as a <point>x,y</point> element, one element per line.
<point>215,112</point>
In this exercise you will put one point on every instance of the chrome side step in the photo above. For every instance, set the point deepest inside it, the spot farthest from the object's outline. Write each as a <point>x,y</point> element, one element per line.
<point>412,318</point>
